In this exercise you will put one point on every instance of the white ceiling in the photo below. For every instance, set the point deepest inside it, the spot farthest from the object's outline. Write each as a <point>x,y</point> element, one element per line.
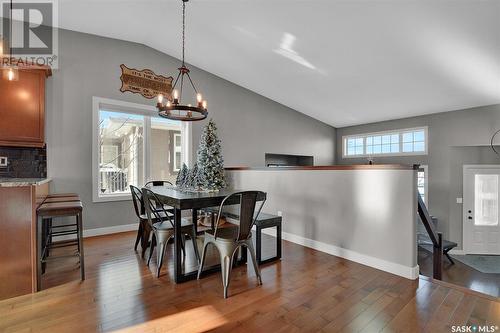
<point>342,62</point>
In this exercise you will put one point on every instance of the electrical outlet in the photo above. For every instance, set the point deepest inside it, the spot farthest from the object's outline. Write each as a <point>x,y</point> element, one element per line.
<point>459,200</point>
<point>280,213</point>
<point>3,162</point>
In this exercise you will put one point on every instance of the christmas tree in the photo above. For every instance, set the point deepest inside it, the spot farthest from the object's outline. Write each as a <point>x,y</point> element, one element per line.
<point>199,177</point>
<point>210,160</point>
<point>190,179</point>
<point>182,176</point>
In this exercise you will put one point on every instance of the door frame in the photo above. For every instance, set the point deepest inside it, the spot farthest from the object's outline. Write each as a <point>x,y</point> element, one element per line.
<point>467,167</point>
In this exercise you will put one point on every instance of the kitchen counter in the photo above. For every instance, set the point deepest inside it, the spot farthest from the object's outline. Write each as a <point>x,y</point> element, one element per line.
<point>17,182</point>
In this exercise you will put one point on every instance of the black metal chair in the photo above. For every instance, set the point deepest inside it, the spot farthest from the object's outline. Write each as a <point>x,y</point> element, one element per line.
<point>160,221</point>
<point>158,183</point>
<point>229,240</point>
<point>143,231</point>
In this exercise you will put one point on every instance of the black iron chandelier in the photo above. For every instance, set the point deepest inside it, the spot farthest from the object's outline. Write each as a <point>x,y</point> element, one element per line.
<point>173,107</point>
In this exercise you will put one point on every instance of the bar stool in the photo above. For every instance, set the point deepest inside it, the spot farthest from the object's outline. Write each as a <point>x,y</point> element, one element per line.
<point>45,213</point>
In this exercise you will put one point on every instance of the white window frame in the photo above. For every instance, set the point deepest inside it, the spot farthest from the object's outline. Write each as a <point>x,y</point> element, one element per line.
<point>148,111</point>
<point>426,183</point>
<point>400,132</point>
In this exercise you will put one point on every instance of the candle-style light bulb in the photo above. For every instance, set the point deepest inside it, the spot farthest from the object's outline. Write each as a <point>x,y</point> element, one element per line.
<point>160,98</point>
<point>204,104</point>
<point>176,94</point>
<point>199,98</point>
<point>10,75</point>
<point>168,103</point>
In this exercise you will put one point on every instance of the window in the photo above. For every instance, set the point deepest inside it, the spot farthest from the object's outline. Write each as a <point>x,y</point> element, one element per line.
<point>422,183</point>
<point>411,141</point>
<point>131,145</point>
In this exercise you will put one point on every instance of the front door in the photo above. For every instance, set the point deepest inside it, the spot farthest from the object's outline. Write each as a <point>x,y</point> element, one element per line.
<point>481,209</point>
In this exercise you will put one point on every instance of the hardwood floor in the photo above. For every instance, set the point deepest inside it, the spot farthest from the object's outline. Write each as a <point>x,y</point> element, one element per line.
<point>462,275</point>
<point>307,291</point>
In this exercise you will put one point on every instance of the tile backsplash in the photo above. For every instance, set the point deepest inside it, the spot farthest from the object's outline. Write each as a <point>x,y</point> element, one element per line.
<point>24,162</point>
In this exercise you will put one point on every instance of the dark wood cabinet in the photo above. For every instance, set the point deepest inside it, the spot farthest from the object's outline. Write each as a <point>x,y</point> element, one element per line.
<point>22,109</point>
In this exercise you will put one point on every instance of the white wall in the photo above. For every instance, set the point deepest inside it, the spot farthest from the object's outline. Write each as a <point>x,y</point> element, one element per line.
<point>364,215</point>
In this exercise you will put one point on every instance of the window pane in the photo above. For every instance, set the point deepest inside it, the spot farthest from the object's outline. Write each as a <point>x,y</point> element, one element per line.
<point>350,151</point>
<point>359,142</point>
<point>408,137</point>
<point>350,143</point>
<point>377,149</point>
<point>395,138</point>
<point>395,148</point>
<point>359,150</point>
<point>386,139</point>
<point>407,147</point>
<point>165,143</point>
<point>369,149</point>
<point>418,136</point>
<point>369,140</point>
<point>486,200</point>
<point>377,140</point>
<point>418,146</point>
<point>121,152</point>
<point>386,149</point>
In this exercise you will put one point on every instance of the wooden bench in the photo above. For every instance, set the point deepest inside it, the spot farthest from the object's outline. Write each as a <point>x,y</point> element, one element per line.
<point>263,221</point>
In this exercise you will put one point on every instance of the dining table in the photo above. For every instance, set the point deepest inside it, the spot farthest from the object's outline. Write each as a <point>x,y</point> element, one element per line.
<point>183,199</point>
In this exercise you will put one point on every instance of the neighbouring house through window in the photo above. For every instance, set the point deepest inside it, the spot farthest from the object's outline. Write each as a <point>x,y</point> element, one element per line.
<point>133,145</point>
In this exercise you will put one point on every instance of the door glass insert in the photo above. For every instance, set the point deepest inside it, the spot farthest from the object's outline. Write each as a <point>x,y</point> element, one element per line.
<point>486,200</point>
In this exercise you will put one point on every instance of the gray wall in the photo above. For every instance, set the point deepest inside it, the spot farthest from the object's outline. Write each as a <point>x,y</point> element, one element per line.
<point>339,212</point>
<point>249,124</point>
<point>455,138</point>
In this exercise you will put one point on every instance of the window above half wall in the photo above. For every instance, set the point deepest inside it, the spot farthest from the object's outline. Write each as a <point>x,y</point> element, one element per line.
<point>398,142</point>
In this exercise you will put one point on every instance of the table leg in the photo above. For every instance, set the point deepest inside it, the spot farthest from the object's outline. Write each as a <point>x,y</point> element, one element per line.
<point>177,246</point>
<point>195,220</point>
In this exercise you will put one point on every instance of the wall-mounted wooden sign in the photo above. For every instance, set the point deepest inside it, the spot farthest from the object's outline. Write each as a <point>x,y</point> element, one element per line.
<point>145,82</point>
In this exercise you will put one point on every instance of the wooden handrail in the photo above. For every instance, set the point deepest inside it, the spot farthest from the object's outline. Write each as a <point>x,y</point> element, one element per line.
<point>436,238</point>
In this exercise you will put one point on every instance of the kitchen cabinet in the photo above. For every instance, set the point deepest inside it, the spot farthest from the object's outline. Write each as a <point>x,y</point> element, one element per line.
<point>22,108</point>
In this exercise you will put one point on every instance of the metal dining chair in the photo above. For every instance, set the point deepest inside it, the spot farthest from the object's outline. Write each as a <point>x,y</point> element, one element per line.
<point>158,183</point>
<point>229,240</point>
<point>160,221</point>
<point>141,215</point>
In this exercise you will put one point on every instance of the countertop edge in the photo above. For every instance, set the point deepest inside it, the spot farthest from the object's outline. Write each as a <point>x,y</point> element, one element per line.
<point>19,182</point>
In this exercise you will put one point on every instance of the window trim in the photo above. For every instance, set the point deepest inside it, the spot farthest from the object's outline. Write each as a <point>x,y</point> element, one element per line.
<point>128,107</point>
<point>426,183</point>
<point>388,132</point>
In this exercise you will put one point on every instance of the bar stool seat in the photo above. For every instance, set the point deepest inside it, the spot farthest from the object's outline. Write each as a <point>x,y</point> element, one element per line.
<point>57,195</point>
<point>60,199</point>
<point>45,213</point>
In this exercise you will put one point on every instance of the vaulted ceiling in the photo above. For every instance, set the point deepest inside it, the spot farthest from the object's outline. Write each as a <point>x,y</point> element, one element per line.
<point>342,62</point>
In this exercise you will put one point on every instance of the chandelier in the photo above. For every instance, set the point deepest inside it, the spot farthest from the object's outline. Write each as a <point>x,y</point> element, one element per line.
<point>173,107</point>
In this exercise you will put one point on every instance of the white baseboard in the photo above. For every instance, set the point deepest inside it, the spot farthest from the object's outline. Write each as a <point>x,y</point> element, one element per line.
<point>102,231</point>
<point>411,273</point>
<point>458,252</point>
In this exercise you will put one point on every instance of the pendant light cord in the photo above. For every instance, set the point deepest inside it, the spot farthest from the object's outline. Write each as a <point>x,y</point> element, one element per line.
<point>10,34</point>
<point>183,29</point>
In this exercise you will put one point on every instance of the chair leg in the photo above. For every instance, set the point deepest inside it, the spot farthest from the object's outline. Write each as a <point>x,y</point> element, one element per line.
<point>160,252</point>
<point>139,235</point>
<point>152,247</point>
<point>183,244</point>
<point>226,264</point>
<point>202,261</point>
<point>39,248</point>
<point>449,258</point>
<point>195,246</point>
<point>80,245</point>
<point>249,245</point>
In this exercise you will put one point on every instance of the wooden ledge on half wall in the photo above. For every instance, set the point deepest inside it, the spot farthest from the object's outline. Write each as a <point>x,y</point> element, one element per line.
<point>331,167</point>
